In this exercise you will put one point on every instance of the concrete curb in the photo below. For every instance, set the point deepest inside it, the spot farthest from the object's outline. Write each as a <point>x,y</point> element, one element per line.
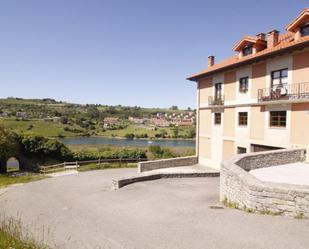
<point>119,183</point>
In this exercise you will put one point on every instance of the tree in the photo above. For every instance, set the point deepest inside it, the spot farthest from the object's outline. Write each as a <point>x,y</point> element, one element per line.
<point>191,132</point>
<point>8,143</point>
<point>93,112</point>
<point>176,132</point>
<point>156,151</point>
<point>64,119</point>
<point>163,133</point>
<point>129,136</point>
<point>174,107</point>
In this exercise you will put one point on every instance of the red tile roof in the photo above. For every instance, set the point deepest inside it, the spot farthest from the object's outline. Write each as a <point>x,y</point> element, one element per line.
<point>286,44</point>
<point>286,41</point>
<point>247,39</point>
<point>295,23</point>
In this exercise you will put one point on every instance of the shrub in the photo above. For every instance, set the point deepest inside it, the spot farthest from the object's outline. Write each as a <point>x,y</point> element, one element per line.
<point>110,154</point>
<point>159,152</point>
<point>129,136</point>
<point>43,148</point>
<point>8,143</point>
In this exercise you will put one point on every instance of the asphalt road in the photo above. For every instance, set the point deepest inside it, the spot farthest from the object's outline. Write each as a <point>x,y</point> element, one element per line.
<point>81,211</point>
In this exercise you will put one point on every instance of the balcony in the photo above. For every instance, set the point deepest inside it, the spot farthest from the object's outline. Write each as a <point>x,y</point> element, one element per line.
<point>284,92</point>
<point>216,100</point>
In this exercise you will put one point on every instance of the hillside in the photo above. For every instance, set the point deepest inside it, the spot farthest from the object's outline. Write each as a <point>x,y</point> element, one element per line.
<point>53,118</point>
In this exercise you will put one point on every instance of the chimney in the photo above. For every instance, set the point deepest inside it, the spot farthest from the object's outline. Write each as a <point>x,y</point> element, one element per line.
<point>211,61</point>
<point>261,36</point>
<point>272,38</point>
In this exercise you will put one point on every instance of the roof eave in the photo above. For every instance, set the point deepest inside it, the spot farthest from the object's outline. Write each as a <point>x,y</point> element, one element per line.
<point>297,46</point>
<point>292,26</point>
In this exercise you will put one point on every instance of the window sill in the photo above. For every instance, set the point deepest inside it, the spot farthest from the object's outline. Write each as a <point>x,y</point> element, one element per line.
<point>277,128</point>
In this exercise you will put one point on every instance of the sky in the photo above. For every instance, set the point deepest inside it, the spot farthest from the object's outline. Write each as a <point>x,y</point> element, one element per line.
<point>128,52</point>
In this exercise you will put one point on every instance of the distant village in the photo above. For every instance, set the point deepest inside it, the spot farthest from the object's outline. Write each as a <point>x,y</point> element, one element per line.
<point>160,120</point>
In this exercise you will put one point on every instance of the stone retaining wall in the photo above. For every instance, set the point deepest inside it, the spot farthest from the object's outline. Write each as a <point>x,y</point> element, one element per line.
<point>241,189</point>
<point>119,183</point>
<point>167,163</point>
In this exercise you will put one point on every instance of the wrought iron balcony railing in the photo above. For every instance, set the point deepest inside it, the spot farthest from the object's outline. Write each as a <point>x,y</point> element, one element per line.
<point>284,92</point>
<point>216,100</point>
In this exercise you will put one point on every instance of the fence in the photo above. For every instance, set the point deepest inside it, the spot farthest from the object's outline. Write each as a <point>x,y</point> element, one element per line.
<point>77,164</point>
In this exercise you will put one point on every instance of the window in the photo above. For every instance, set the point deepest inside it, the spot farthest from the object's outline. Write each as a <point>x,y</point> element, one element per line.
<point>279,77</point>
<point>277,119</point>
<point>241,150</point>
<point>218,118</point>
<point>218,90</point>
<point>243,118</point>
<point>304,30</point>
<point>247,50</point>
<point>243,84</point>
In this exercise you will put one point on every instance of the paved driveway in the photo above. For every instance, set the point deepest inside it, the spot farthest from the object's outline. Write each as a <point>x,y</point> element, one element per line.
<point>80,212</point>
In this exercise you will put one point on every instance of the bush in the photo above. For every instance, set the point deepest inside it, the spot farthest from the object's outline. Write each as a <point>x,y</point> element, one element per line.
<point>159,152</point>
<point>110,154</point>
<point>43,148</point>
<point>129,136</point>
<point>64,119</point>
<point>141,136</point>
<point>156,150</point>
<point>8,143</point>
<point>176,132</point>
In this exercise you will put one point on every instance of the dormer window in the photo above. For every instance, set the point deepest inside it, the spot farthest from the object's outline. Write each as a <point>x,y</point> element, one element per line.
<point>247,50</point>
<point>250,45</point>
<point>300,25</point>
<point>304,30</point>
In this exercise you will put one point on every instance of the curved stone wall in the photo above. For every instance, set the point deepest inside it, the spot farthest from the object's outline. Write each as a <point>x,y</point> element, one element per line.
<point>240,189</point>
<point>167,163</point>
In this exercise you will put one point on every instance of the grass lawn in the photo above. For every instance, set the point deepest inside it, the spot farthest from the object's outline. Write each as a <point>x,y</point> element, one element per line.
<point>13,237</point>
<point>9,179</point>
<point>36,127</point>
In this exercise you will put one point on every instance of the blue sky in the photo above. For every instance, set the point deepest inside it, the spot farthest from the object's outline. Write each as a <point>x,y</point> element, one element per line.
<point>135,52</point>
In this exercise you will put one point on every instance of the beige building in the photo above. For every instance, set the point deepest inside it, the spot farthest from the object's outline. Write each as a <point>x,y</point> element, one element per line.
<point>258,99</point>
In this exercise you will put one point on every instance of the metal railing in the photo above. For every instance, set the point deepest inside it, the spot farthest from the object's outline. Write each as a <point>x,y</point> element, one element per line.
<point>216,100</point>
<point>284,92</point>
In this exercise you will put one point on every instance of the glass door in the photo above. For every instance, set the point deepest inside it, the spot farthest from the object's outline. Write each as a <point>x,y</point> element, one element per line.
<point>218,90</point>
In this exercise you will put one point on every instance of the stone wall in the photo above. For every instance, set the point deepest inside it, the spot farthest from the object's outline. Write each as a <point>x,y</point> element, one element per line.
<point>271,158</point>
<point>167,163</point>
<point>241,189</point>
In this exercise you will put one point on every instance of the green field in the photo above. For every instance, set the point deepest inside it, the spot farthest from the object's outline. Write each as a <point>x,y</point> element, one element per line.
<point>52,129</point>
<point>36,127</point>
<point>83,120</point>
<point>137,130</point>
